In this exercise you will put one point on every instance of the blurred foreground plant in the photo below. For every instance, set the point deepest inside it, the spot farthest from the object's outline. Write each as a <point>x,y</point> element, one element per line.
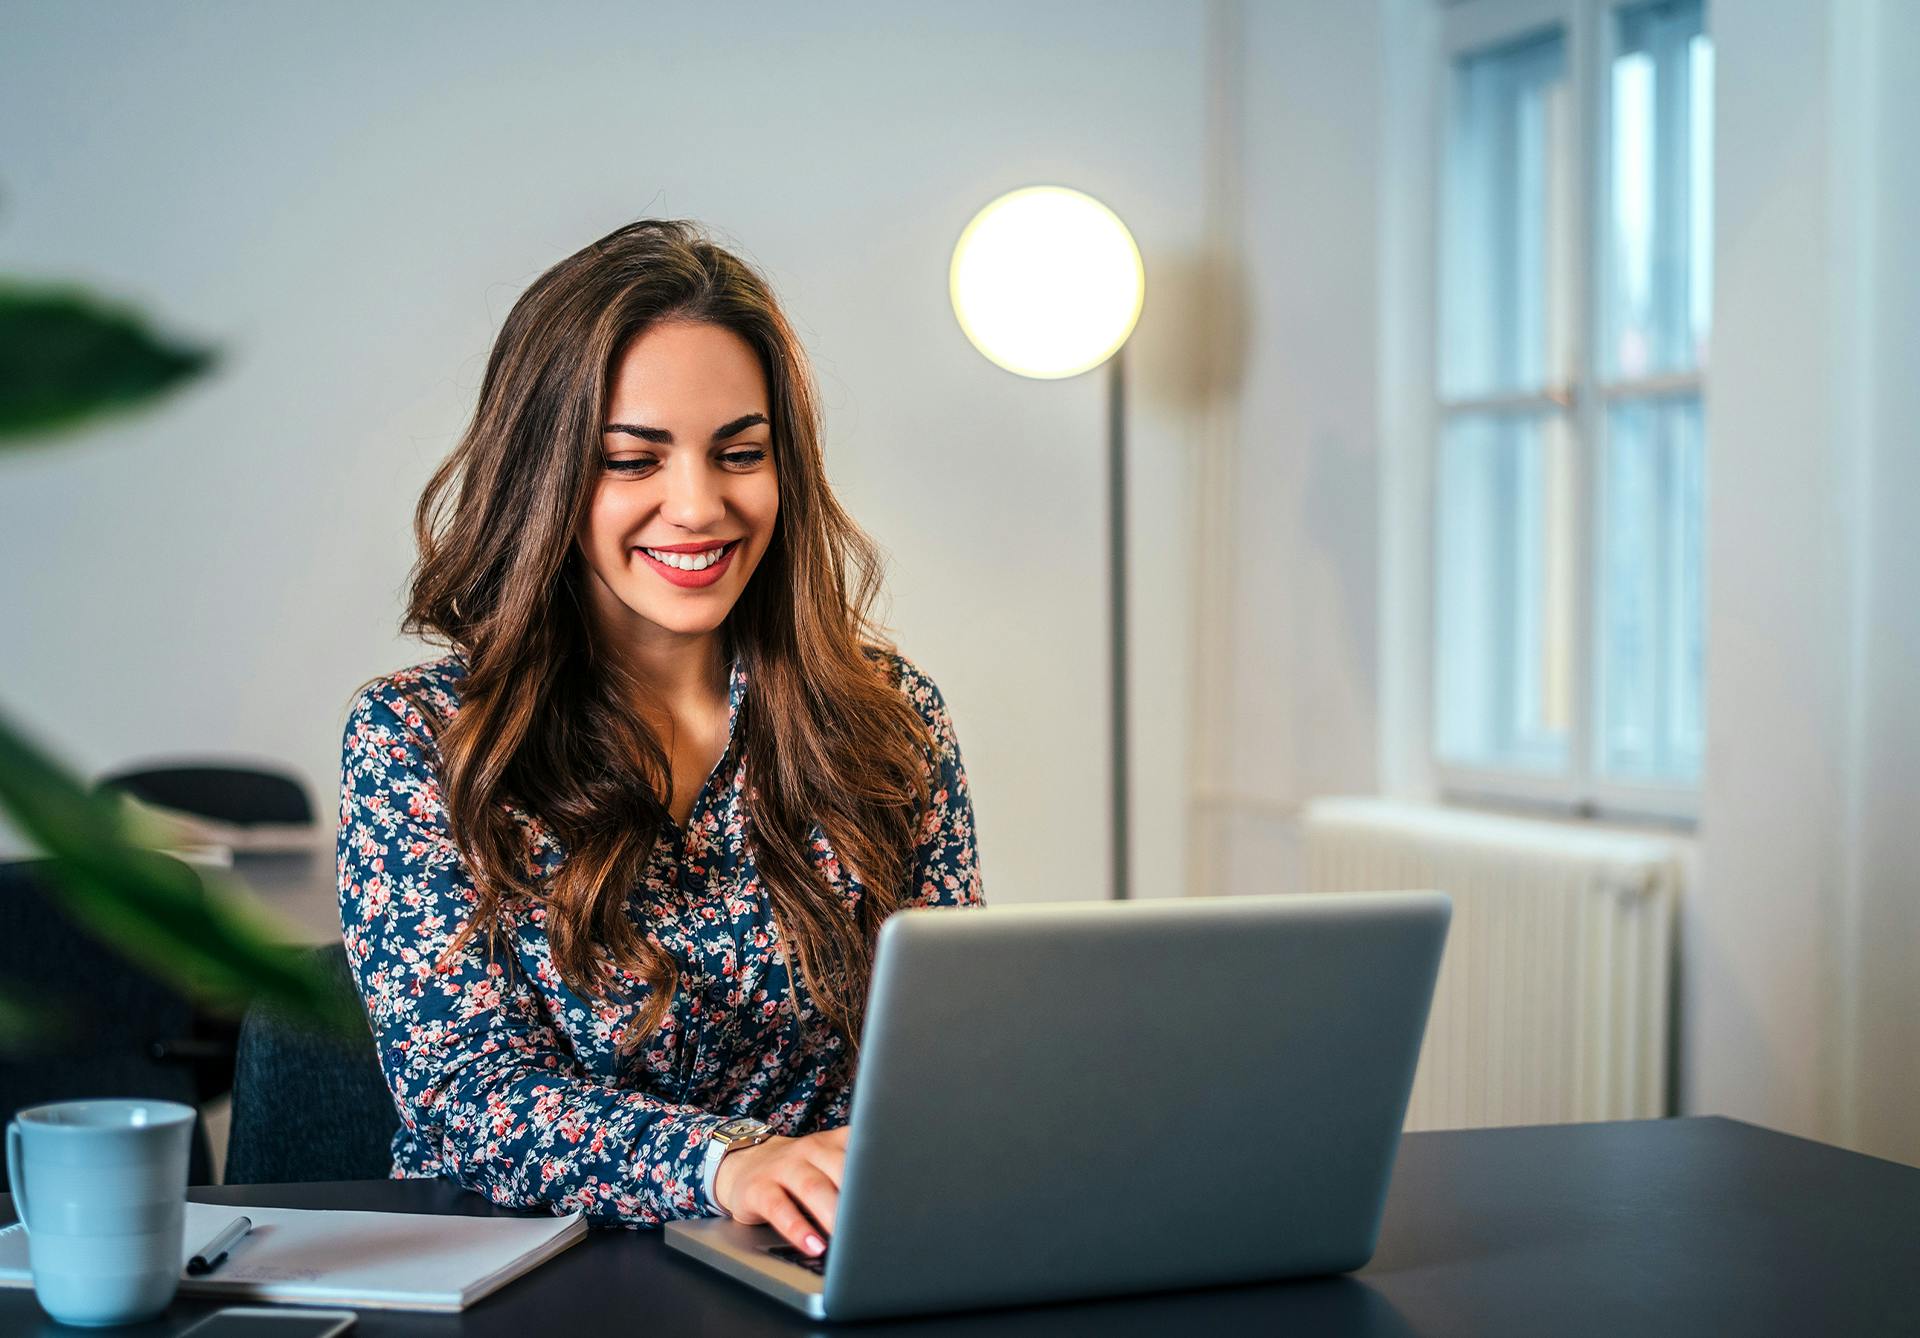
<point>65,359</point>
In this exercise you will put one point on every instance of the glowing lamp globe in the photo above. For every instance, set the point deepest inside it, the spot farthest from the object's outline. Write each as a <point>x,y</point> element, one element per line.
<point>1047,282</point>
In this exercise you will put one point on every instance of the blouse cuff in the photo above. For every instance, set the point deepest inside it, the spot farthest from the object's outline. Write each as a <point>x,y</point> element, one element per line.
<point>700,1130</point>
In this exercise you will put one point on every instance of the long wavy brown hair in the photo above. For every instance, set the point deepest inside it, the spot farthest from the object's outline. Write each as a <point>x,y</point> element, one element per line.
<point>545,720</point>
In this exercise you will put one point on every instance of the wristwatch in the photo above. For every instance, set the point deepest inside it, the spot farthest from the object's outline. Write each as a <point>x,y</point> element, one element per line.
<point>740,1132</point>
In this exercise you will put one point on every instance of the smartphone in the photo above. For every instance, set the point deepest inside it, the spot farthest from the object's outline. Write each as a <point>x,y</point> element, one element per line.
<point>276,1322</point>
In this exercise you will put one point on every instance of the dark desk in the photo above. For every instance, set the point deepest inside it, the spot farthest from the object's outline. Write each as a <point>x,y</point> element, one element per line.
<point>1697,1226</point>
<point>298,887</point>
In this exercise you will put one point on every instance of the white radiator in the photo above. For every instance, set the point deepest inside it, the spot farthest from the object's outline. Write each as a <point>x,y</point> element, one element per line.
<point>1553,997</point>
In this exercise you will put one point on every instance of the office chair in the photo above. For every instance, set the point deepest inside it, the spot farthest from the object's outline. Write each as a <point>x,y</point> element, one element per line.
<point>246,799</point>
<point>103,1026</point>
<point>239,796</point>
<point>309,1105</point>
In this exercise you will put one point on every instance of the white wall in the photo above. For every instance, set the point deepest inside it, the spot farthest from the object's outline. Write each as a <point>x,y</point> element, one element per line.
<point>1881,1000</point>
<point>1289,674</point>
<point>1803,1012</point>
<point>347,200</point>
<point>1761,926</point>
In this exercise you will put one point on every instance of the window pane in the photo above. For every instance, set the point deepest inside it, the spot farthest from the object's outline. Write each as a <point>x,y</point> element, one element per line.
<point>1503,631</point>
<point>1508,254</point>
<point>1660,221</point>
<point>1651,601</point>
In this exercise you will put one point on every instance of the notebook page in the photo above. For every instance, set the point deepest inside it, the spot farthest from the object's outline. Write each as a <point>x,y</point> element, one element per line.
<point>402,1261</point>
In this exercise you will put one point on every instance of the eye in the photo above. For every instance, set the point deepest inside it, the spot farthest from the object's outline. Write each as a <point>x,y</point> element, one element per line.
<point>744,458</point>
<point>630,464</point>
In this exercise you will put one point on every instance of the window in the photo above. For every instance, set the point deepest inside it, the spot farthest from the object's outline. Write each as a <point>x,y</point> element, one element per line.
<point>1569,488</point>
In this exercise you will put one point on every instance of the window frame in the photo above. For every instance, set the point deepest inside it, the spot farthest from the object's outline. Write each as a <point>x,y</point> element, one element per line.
<point>1590,32</point>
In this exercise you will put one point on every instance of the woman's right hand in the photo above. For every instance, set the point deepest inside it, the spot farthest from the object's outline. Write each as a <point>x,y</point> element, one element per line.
<point>793,1184</point>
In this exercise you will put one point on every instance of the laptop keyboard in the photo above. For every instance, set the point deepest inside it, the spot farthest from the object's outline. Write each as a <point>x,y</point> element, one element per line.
<point>813,1263</point>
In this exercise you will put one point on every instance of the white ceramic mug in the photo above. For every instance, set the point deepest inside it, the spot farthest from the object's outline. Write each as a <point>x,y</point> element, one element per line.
<point>101,1187</point>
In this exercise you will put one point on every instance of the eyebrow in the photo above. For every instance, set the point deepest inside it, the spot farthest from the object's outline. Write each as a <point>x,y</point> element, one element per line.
<point>661,436</point>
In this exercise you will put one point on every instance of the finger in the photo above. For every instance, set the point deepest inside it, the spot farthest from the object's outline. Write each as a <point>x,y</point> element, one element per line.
<point>816,1193</point>
<point>784,1215</point>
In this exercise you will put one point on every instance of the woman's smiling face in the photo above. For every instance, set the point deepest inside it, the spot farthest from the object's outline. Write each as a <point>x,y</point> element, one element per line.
<point>685,505</point>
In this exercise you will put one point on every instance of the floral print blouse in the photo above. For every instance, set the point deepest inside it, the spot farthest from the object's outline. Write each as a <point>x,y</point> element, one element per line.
<point>506,1081</point>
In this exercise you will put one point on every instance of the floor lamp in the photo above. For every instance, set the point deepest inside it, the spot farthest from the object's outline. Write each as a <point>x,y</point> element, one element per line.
<point>1047,282</point>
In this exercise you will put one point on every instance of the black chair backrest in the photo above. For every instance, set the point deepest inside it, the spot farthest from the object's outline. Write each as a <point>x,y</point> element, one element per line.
<point>99,1026</point>
<point>242,796</point>
<point>309,1105</point>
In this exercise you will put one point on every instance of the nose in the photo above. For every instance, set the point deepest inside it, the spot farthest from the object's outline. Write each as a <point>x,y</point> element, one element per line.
<point>693,500</point>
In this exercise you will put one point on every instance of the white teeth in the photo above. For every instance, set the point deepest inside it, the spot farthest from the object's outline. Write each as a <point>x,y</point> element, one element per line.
<point>687,561</point>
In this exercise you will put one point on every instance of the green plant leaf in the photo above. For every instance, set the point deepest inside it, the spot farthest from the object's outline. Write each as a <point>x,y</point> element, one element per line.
<point>191,927</point>
<point>25,1024</point>
<point>66,357</point>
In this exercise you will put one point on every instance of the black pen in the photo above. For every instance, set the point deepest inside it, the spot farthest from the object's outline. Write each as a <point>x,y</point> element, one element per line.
<point>215,1251</point>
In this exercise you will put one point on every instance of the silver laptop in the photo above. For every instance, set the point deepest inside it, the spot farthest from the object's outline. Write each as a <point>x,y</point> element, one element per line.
<point>1091,1098</point>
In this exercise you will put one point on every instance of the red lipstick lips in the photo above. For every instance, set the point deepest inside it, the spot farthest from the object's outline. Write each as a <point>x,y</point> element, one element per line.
<point>691,580</point>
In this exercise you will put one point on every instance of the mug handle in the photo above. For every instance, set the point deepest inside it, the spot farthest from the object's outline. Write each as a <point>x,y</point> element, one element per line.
<point>17,1173</point>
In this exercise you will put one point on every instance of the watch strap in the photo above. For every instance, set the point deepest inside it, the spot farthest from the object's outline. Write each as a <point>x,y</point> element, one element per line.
<point>718,1148</point>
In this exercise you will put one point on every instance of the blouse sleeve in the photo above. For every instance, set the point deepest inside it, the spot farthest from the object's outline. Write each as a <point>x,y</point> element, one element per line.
<point>946,864</point>
<point>483,1082</point>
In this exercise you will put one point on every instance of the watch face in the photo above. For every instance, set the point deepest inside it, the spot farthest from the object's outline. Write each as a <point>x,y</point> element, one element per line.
<point>739,1127</point>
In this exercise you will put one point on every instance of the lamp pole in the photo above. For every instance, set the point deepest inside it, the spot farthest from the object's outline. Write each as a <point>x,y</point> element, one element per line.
<point>1117,617</point>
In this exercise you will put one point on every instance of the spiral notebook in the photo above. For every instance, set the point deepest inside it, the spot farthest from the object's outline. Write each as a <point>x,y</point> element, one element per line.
<point>377,1261</point>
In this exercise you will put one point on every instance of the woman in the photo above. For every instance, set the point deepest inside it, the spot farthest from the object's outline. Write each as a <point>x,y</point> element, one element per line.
<point>611,871</point>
